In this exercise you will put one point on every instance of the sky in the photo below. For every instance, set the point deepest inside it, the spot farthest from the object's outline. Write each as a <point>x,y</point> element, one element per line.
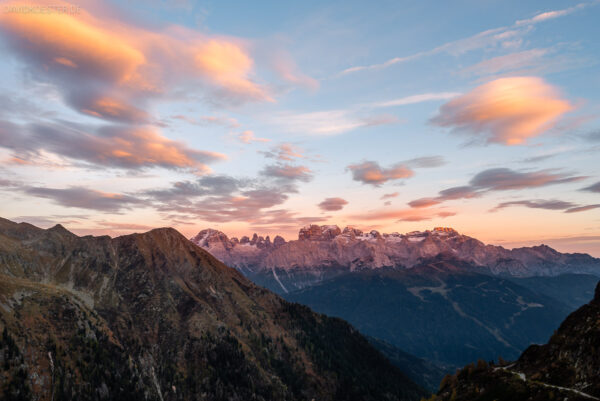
<point>118,117</point>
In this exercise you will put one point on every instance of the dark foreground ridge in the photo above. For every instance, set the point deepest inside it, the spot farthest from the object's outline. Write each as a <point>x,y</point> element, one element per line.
<point>568,367</point>
<point>154,317</point>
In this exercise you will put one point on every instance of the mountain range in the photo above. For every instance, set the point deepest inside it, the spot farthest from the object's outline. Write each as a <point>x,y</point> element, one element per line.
<point>323,252</point>
<point>154,317</point>
<point>439,295</point>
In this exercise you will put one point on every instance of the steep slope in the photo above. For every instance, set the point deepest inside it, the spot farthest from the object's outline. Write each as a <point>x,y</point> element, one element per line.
<point>441,311</point>
<point>322,252</point>
<point>568,367</point>
<point>153,317</point>
<point>422,372</point>
<point>574,290</point>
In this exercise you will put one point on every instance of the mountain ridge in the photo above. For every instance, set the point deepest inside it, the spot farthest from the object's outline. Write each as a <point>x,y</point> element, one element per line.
<point>154,317</point>
<point>329,250</point>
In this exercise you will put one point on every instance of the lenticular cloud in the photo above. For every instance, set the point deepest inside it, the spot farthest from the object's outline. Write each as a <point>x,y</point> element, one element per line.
<point>507,110</point>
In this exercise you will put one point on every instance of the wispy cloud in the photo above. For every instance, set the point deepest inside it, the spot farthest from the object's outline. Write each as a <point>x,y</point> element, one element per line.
<point>389,196</point>
<point>110,146</point>
<point>404,215</point>
<point>499,179</point>
<point>329,122</point>
<point>508,62</point>
<point>413,99</point>
<point>84,198</point>
<point>481,40</point>
<point>567,207</point>
<point>339,121</point>
<point>537,204</point>
<point>248,137</point>
<point>592,188</point>
<point>285,152</point>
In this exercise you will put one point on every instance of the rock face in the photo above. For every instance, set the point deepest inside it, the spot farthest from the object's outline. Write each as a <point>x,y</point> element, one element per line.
<point>568,367</point>
<point>324,251</point>
<point>154,317</point>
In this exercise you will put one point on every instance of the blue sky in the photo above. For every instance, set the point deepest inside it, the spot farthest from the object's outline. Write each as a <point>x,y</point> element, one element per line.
<point>268,116</point>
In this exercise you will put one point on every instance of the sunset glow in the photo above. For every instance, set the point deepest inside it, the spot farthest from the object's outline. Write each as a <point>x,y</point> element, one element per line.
<point>124,116</point>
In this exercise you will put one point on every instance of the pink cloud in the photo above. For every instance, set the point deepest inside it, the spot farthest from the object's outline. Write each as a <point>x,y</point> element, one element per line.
<point>100,64</point>
<point>333,204</point>
<point>507,110</point>
<point>370,172</point>
<point>248,137</point>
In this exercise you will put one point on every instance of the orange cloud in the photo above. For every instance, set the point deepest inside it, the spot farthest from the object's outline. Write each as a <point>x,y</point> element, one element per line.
<point>74,42</point>
<point>113,146</point>
<point>86,56</point>
<point>228,65</point>
<point>145,147</point>
<point>404,215</point>
<point>113,109</point>
<point>506,110</point>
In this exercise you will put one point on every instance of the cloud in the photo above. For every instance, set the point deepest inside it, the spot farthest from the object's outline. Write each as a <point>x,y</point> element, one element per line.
<point>582,208</point>
<point>329,122</point>
<point>507,36</point>
<point>228,122</point>
<point>537,204</point>
<point>284,152</point>
<point>507,110</point>
<point>287,172</point>
<point>111,146</point>
<point>112,225</point>
<point>288,71</point>
<point>389,196</point>
<point>108,108</point>
<point>498,179</point>
<point>183,192</point>
<point>424,97</point>
<point>424,202</point>
<point>548,15</point>
<point>508,62</point>
<point>370,172</point>
<point>592,188</point>
<point>248,137</point>
<point>405,214</point>
<point>221,198</point>
<point>593,136</point>
<point>84,198</point>
<point>333,204</point>
<point>502,179</point>
<point>109,68</point>
<point>426,162</point>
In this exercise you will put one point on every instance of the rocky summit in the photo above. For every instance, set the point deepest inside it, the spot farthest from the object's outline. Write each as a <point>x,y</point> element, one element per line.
<point>154,317</point>
<point>321,252</point>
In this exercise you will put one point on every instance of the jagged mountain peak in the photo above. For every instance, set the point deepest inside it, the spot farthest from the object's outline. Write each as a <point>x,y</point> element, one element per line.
<point>323,250</point>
